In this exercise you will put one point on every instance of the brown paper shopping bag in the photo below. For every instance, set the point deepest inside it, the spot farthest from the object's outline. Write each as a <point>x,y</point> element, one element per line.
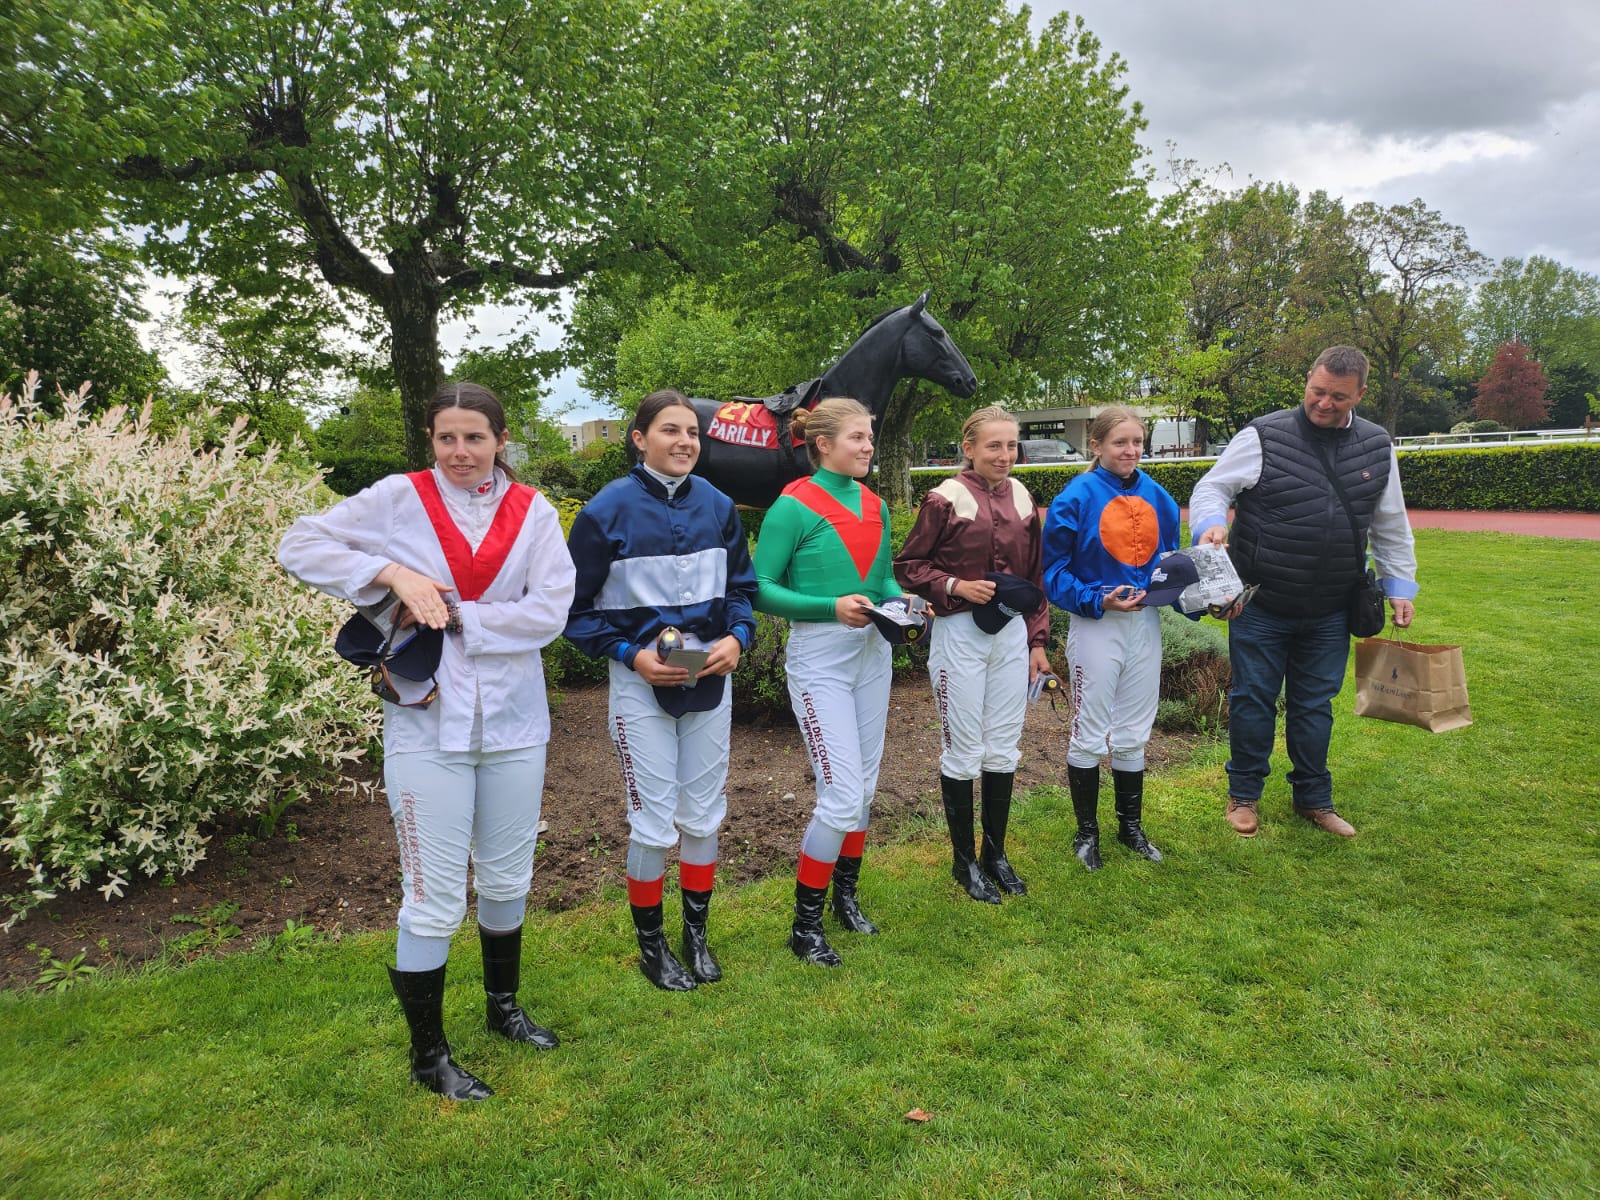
<point>1410,684</point>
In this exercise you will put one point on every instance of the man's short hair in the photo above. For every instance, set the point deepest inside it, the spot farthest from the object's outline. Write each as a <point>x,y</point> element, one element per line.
<point>1343,360</point>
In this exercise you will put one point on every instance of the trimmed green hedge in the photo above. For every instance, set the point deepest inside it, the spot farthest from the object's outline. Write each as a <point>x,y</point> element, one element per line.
<point>349,475</point>
<point>1494,479</point>
<point>1043,483</point>
<point>1504,478</point>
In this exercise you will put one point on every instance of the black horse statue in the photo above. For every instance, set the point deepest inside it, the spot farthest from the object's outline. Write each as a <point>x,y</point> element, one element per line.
<point>747,448</point>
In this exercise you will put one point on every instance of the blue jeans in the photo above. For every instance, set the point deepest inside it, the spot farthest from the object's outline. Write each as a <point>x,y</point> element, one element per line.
<point>1305,659</point>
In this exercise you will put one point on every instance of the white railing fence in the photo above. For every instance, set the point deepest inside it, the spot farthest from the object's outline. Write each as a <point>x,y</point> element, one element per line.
<point>1504,437</point>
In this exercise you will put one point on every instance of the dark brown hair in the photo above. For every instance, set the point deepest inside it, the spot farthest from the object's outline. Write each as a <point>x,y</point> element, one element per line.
<point>1343,360</point>
<point>473,397</point>
<point>656,403</point>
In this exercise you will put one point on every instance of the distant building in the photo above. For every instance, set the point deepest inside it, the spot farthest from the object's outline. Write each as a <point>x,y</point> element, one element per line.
<point>1072,424</point>
<point>607,429</point>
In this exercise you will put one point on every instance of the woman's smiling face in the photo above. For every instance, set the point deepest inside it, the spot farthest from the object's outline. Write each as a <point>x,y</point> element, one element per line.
<point>851,452</point>
<point>671,446</point>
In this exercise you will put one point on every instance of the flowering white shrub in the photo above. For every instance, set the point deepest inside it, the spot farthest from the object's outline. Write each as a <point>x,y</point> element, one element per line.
<point>157,667</point>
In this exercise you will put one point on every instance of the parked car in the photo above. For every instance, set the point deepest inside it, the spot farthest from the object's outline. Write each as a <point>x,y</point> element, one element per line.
<point>1047,450</point>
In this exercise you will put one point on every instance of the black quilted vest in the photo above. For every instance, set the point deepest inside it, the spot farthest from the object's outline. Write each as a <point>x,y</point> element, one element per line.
<point>1290,533</point>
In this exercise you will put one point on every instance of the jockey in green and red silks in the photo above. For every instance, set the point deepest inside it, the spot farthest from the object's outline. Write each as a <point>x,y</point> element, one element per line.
<point>823,562</point>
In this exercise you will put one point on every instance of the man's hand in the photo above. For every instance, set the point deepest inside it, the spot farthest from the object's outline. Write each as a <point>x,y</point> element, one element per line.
<point>1038,663</point>
<point>1403,611</point>
<point>722,658</point>
<point>655,672</point>
<point>1217,535</point>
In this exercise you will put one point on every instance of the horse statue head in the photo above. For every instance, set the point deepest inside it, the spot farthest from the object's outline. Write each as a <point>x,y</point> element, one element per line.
<point>746,448</point>
<point>903,343</point>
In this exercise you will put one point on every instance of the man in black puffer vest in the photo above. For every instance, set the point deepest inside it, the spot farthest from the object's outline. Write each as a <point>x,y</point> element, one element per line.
<point>1293,537</point>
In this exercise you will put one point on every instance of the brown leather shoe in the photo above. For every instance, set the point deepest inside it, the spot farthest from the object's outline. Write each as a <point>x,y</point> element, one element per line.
<point>1328,821</point>
<point>1241,815</point>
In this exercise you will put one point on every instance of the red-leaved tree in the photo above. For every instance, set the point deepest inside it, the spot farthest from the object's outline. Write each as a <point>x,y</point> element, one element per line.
<point>1512,391</point>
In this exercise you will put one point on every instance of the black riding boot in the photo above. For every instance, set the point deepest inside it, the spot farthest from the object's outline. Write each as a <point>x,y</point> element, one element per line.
<point>421,996</point>
<point>996,816</point>
<point>806,939</point>
<point>1129,790</point>
<point>655,959</point>
<point>957,795</point>
<point>502,971</point>
<point>846,872</point>
<point>696,954</point>
<point>1085,785</point>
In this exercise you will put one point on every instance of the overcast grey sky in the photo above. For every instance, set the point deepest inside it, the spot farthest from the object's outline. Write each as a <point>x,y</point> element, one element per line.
<point>1489,110</point>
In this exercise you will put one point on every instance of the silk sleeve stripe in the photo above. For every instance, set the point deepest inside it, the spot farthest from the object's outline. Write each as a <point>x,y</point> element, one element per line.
<point>665,581</point>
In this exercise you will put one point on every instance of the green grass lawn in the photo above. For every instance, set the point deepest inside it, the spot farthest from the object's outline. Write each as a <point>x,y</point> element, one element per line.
<point>1413,1013</point>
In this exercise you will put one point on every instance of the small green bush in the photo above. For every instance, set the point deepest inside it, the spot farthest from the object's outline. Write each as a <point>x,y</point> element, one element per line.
<point>557,476</point>
<point>760,687</point>
<point>160,668</point>
<point>566,666</point>
<point>1195,675</point>
<point>348,476</point>
<point>610,463</point>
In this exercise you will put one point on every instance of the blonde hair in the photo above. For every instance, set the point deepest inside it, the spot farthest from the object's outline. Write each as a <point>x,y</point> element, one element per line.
<point>1109,418</point>
<point>970,427</point>
<point>826,420</point>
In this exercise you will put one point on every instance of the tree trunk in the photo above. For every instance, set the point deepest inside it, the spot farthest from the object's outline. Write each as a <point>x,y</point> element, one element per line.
<point>1389,397</point>
<point>893,444</point>
<point>414,351</point>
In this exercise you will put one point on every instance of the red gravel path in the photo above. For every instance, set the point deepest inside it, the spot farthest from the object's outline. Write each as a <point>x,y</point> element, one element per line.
<point>1584,526</point>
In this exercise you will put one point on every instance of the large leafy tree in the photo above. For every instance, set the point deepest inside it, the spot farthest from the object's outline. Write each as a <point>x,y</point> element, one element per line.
<point>1245,312</point>
<point>269,359</point>
<point>1512,391</point>
<point>1555,312</point>
<point>896,146</point>
<point>1395,281</point>
<point>67,310</point>
<point>420,157</point>
<point>60,126</point>
<point>1552,310</point>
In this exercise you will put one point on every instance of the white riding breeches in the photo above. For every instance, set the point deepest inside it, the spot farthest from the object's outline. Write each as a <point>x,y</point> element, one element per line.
<point>1115,669</point>
<point>449,807</point>
<point>980,684</point>
<point>674,769</point>
<point>839,687</point>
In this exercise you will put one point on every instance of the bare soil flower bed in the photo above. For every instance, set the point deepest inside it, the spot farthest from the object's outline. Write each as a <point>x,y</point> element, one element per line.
<point>333,864</point>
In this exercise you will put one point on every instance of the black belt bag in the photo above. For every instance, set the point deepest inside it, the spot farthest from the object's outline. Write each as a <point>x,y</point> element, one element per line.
<point>1364,612</point>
